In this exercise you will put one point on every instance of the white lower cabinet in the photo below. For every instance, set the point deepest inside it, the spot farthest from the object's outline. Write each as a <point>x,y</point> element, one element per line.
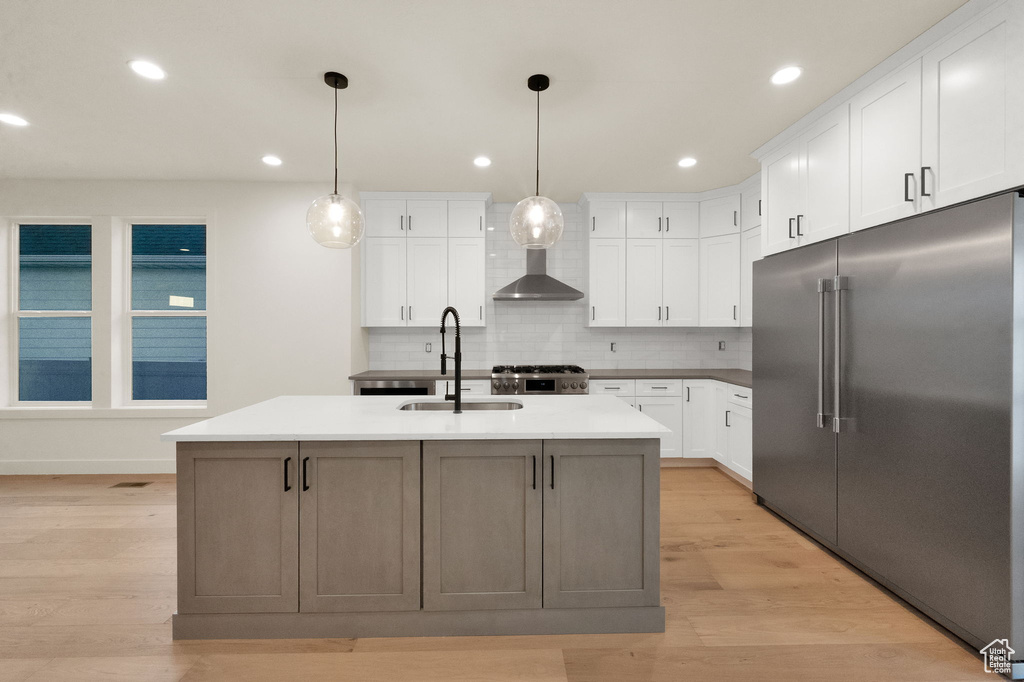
<point>669,413</point>
<point>471,387</point>
<point>698,418</point>
<point>718,417</point>
<point>740,437</point>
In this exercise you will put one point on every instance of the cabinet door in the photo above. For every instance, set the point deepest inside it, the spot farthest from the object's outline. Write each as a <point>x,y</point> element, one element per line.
<point>973,110</point>
<point>467,258</point>
<point>607,219</point>
<point>426,218</point>
<point>384,217</point>
<point>466,219</point>
<point>601,523</point>
<point>482,524</point>
<point>682,219</point>
<point>360,519</point>
<point>643,288</point>
<point>720,216</point>
<point>825,179</point>
<point>384,275</point>
<point>741,443</point>
<point>698,418</point>
<point>721,404</point>
<point>669,413</point>
<point>720,281</point>
<point>750,251</point>
<point>644,220</point>
<point>607,279</point>
<point>750,209</point>
<point>238,528</point>
<point>427,285</point>
<point>780,189</point>
<point>681,282</point>
<point>885,145</point>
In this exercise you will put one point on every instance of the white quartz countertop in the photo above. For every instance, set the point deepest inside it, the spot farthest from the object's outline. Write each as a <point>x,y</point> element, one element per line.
<point>290,418</point>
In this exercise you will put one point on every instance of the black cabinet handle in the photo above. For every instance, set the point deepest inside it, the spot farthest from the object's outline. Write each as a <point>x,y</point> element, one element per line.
<point>666,223</point>
<point>286,486</point>
<point>401,222</point>
<point>593,224</point>
<point>791,236</point>
<point>535,472</point>
<point>906,186</point>
<point>799,220</point>
<point>727,418</point>
<point>305,482</point>
<point>758,207</point>
<point>659,313</point>
<point>552,472</point>
<point>410,223</point>
<point>735,218</point>
<point>659,224</point>
<point>666,313</point>
<point>923,169</point>
<point>593,312</point>
<point>687,394</point>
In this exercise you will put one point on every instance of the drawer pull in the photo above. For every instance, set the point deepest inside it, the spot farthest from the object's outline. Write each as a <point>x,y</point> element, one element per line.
<point>738,395</point>
<point>659,388</point>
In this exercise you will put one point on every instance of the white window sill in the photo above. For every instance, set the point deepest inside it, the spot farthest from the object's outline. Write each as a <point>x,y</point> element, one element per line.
<point>89,412</point>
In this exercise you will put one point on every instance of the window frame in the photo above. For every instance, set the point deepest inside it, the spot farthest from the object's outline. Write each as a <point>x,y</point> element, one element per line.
<point>17,314</point>
<point>128,315</point>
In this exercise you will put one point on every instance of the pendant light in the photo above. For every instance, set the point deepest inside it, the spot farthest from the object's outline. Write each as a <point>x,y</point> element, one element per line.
<point>333,220</point>
<point>536,221</point>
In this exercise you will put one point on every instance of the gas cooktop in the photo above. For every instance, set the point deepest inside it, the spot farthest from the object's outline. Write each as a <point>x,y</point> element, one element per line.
<point>539,379</point>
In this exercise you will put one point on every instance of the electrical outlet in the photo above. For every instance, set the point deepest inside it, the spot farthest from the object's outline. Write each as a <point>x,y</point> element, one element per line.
<point>427,349</point>
<point>613,346</point>
<point>721,345</point>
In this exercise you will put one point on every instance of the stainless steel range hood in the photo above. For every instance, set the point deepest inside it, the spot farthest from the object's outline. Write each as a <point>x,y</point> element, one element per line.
<point>536,284</point>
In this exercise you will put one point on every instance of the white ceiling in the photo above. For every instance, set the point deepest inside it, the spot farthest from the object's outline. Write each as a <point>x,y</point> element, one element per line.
<point>635,86</point>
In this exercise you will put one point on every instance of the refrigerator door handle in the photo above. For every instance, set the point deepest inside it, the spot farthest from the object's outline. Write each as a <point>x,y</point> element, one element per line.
<point>824,286</point>
<point>838,284</point>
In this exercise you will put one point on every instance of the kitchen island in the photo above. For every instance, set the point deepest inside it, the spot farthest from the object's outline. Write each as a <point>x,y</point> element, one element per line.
<point>340,516</point>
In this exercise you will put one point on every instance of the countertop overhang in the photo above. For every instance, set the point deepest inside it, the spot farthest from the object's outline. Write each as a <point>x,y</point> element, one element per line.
<point>295,418</point>
<point>739,377</point>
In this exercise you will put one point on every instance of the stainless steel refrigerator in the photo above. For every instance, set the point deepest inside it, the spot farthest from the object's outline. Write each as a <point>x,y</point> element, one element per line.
<point>889,373</point>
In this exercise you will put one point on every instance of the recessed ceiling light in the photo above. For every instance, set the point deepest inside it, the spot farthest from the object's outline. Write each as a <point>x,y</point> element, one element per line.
<point>482,161</point>
<point>271,160</point>
<point>687,162</point>
<point>786,75</point>
<point>147,69</point>
<point>11,119</point>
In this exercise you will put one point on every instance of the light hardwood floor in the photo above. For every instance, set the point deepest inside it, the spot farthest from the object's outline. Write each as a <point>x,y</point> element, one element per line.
<point>87,580</point>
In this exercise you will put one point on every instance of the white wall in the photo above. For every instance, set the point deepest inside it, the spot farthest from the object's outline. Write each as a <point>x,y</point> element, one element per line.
<point>280,316</point>
<point>555,332</point>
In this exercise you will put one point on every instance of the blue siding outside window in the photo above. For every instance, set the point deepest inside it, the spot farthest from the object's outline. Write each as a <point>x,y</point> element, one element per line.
<point>55,267</point>
<point>169,358</point>
<point>168,267</point>
<point>55,359</point>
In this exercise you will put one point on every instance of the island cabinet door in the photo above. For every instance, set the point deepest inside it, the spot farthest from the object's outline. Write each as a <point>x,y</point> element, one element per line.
<point>238,528</point>
<point>359,516</point>
<point>601,545</point>
<point>481,524</point>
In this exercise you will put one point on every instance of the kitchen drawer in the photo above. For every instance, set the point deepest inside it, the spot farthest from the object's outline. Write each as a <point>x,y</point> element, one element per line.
<point>659,387</point>
<point>738,395</point>
<point>620,387</point>
<point>470,387</point>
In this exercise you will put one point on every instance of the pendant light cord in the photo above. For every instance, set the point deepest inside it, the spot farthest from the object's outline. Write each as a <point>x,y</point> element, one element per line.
<point>336,140</point>
<point>537,192</point>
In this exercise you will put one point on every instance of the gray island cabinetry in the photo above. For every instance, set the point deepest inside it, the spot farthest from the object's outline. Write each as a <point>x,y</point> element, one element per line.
<point>320,529</point>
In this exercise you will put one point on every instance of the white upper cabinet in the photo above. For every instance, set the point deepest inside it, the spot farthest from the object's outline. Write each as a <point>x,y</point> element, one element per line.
<point>720,281</point>
<point>643,291</point>
<point>384,278</point>
<point>681,282</point>
<point>720,216</point>
<point>662,220</point>
<point>750,208</point>
<point>750,251</point>
<point>427,284</point>
<point>973,110</point>
<point>780,189</point>
<point>606,278</point>
<point>399,218</point>
<point>606,219</point>
<point>467,291</point>
<point>886,149</point>
<point>466,218</point>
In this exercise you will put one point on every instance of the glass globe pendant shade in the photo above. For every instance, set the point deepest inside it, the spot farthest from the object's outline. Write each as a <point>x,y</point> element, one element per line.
<point>536,223</point>
<point>335,222</point>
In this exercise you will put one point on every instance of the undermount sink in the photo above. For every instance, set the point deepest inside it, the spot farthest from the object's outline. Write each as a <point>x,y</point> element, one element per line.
<point>449,406</point>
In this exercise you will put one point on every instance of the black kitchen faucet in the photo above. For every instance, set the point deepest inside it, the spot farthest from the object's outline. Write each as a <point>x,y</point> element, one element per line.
<point>457,396</point>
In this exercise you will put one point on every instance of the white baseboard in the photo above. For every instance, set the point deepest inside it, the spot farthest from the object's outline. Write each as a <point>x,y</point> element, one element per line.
<point>74,466</point>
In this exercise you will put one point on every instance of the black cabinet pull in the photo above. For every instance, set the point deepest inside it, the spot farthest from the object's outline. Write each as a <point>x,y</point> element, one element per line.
<point>727,418</point>
<point>923,169</point>
<point>758,207</point>
<point>666,313</point>
<point>687,394</point>
<point>401,222</point>
<point>593,312</point>
<point>791,228</point>
<point>552,472</point>
<point>659,224</point>
<point>305,482</point>
<point>286,486</point>
<point>735,218</point>
<point>593,224</point>
<point>666,223</point>
<point>799,220</point>
<point>535,472</point>
<point>906,186</point>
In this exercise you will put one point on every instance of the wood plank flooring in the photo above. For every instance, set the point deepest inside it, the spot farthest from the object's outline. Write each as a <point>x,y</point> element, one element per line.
<point>87,588</point>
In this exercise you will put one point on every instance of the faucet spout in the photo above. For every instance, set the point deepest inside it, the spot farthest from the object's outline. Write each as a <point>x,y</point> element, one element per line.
<point>457,396</point>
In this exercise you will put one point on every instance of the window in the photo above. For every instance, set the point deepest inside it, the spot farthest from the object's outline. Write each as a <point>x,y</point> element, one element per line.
<point>167,312</point>
<point>54,313</point>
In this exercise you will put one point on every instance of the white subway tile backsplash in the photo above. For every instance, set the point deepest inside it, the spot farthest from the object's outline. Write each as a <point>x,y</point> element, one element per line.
<point>555,332</point>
